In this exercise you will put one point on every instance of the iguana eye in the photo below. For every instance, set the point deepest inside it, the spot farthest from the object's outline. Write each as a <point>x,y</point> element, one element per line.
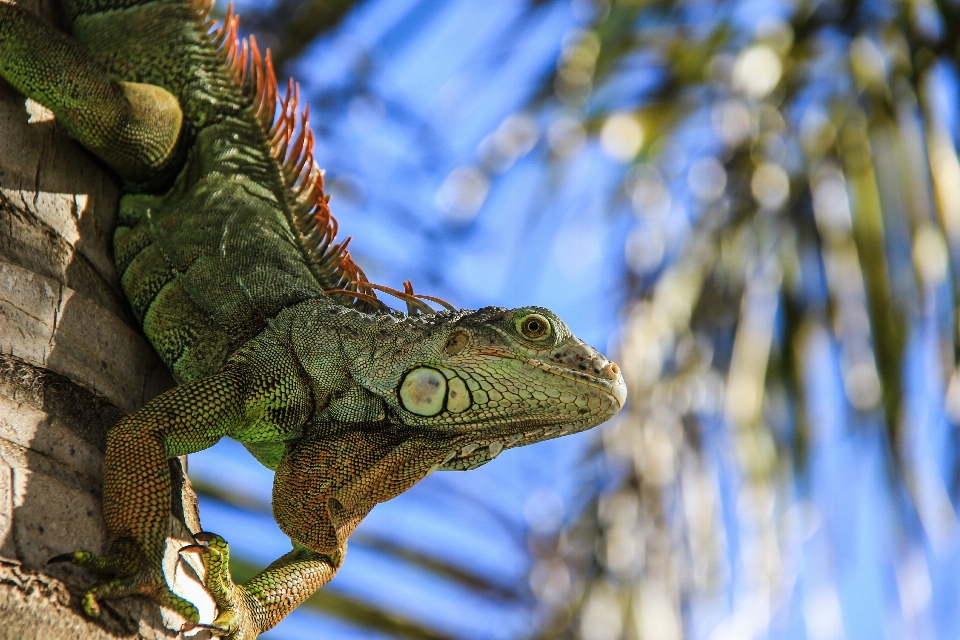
<point>534,327</point>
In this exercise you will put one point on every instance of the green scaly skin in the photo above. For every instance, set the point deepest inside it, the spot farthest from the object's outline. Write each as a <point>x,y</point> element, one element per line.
<point>350,405</point>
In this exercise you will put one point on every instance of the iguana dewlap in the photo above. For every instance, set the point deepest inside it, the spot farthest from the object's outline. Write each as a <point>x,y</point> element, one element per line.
<point>226,250</point>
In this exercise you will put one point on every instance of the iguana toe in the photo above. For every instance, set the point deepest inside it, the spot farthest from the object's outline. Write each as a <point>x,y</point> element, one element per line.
<point>214,552</point>
<point>87,560</point>
<point>138,585</point>
<point>133,577</point>
<point>236,619</point>
<point>90,605</point>
<point>191,626</point>
<point>172,601</point>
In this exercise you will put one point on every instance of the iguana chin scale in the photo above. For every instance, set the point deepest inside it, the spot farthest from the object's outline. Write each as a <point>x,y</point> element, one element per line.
<point>226,250</point>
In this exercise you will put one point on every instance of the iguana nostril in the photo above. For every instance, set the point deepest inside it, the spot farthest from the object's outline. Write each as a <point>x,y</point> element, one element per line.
<point>611,370</point>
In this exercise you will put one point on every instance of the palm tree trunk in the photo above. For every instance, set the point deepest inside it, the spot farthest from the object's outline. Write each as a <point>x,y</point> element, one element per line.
<point>72,361</point>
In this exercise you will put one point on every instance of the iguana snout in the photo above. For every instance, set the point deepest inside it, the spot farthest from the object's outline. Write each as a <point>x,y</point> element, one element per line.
<point>584,362</point>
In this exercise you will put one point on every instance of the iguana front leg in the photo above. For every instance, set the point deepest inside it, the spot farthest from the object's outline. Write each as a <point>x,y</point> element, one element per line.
<point>258,396</point>
<point>133,127</point>
<point>136,492</point>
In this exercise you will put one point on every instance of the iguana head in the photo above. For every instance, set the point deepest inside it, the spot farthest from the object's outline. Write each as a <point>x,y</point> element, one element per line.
<point>449,391</point>
<point>490,379</point>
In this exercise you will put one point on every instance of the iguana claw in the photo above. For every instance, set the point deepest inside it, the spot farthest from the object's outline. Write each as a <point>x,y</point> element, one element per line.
<point>251,608</point>
<point>132,579</point>
<point>191,626</point>
<point>63,557</point>
<point>236,620</point>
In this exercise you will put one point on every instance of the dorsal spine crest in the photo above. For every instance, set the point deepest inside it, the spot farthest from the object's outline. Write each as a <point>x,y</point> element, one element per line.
<point>291,144</point>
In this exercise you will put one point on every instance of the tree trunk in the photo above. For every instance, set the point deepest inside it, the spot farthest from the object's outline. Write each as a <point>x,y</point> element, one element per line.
<point>72,362</point>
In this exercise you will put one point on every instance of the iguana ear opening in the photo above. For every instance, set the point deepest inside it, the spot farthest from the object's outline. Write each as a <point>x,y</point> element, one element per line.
<point>323,488</point>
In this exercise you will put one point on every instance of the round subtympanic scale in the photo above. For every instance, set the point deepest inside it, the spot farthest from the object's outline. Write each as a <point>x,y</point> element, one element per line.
<point>423,390</point>
<point>458,398</point>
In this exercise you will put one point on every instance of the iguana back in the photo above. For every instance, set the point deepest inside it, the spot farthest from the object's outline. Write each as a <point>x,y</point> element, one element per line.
<point>236,228</point>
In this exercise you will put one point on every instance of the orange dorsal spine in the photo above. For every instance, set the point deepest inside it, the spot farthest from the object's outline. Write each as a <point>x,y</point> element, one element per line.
<point>291,144</point>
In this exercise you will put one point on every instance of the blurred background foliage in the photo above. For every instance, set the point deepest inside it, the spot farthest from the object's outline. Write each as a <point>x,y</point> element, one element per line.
<point>754,207</point>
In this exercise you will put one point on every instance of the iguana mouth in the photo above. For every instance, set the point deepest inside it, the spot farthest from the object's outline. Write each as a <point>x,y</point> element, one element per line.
<point>496,444</point>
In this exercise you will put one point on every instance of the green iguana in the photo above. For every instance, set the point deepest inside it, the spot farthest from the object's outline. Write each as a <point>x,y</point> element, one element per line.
<point>226,250</point>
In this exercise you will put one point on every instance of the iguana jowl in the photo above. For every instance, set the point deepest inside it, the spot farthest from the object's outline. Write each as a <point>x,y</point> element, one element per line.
<point>226,250</point>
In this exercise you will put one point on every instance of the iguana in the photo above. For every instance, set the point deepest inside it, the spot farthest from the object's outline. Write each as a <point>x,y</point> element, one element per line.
<point>227,252</point>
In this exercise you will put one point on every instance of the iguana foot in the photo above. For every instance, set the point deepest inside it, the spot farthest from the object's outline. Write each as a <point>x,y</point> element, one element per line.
<point>257,605</point>
<point>237,609</point>
<point>134,577</point>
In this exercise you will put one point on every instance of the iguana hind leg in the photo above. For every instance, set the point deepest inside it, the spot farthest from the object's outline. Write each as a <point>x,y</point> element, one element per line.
<point>246,610</point>
<point>132,127</point>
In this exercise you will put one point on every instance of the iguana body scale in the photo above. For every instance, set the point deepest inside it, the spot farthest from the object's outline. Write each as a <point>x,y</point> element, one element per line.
<point>226,249</point>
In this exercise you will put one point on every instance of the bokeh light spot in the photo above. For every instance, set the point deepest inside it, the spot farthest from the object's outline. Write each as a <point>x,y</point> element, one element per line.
<point>707,179</point>
<point>515,137</point>
<point>644,250</point>
<point>757,71</point>
<point>930,254</point>
<point>770,185</point>
<point>731,121</point>
<point>463,193</point>
<point>566,137</point>
<point>867,61</point>
<point>621,137</point>
<point>649,196</point>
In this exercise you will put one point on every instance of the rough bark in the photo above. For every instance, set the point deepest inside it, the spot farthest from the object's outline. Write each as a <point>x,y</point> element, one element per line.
<point>72,361</point>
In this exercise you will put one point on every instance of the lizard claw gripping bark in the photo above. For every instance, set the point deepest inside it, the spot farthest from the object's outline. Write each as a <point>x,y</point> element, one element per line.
<point>134,576</point>
<point>247,609</point>
<point>227,251</point>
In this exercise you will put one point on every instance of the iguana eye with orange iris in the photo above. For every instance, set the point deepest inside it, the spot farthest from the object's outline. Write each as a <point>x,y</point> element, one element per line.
<point>534,327</point>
